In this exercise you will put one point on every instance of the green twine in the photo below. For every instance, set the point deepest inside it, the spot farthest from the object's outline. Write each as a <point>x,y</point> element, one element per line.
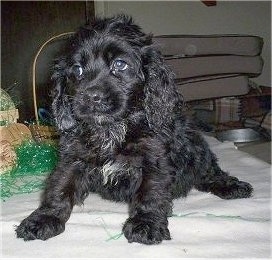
<point>209,215</point>
<point>115,237</point>
<point>196,214</point>
<point>111,237</point>
<point>34,162</point>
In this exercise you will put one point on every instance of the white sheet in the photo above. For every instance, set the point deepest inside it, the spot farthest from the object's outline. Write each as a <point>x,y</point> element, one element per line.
<point>203,225</point>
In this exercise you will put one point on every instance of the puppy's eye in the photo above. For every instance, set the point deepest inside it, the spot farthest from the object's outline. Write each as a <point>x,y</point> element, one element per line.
<point>77,71</point>
<point>119,65</point>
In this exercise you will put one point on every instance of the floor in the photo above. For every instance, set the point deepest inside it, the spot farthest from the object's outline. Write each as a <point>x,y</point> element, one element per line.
<point>259,149</point>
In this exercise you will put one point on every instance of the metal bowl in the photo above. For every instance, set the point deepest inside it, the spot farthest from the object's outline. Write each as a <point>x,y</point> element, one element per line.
<point>239,135</point>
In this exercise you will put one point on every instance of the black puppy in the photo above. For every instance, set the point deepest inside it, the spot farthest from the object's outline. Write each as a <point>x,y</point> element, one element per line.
<point>123,136</point>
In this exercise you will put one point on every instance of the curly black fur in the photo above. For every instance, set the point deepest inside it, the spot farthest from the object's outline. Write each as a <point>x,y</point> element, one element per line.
<point>123,136</point>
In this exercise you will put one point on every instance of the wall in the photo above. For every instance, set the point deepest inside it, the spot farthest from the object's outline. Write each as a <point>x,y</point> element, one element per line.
<point>193,17</point>
<point>25,26</point>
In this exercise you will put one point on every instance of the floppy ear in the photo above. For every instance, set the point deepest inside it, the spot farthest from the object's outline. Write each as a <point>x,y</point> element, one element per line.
<point>61,105</point>
<point>162,100</point>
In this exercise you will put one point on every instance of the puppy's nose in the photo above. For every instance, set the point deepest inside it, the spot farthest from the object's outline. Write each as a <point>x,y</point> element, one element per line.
<point>96,96</point>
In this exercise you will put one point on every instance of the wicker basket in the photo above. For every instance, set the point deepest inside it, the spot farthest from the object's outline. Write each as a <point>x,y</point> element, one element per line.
<point>11,132</point>
<point>43,133</point>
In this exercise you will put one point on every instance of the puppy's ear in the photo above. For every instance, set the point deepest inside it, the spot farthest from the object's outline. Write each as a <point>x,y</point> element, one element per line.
<point>161,97</point>
<point>61,105</point>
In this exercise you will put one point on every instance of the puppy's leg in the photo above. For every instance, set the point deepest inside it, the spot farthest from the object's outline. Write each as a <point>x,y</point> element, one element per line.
<point>150,206</point>
<point>65,187</point>
<point>218,182</point>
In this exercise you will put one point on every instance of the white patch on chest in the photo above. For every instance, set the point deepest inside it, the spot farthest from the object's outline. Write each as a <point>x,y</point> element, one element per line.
<point>111,169</point>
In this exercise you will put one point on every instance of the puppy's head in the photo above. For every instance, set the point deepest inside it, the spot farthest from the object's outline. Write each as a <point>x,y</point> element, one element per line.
<point>102,73</point>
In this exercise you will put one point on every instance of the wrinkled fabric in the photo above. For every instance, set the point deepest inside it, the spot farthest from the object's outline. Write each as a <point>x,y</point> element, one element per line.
<point>202,225</point>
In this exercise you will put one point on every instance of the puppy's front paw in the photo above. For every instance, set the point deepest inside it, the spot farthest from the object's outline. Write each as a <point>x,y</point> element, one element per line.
<point>145,231</point>
<point>39,227</point>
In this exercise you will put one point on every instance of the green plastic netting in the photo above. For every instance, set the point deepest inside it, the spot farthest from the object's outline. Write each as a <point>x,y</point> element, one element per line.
<point>34,162</point>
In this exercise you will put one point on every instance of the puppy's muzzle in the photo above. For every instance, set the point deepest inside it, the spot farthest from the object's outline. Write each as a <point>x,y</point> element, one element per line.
<point>95,95</point>
<point>97,99</point>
